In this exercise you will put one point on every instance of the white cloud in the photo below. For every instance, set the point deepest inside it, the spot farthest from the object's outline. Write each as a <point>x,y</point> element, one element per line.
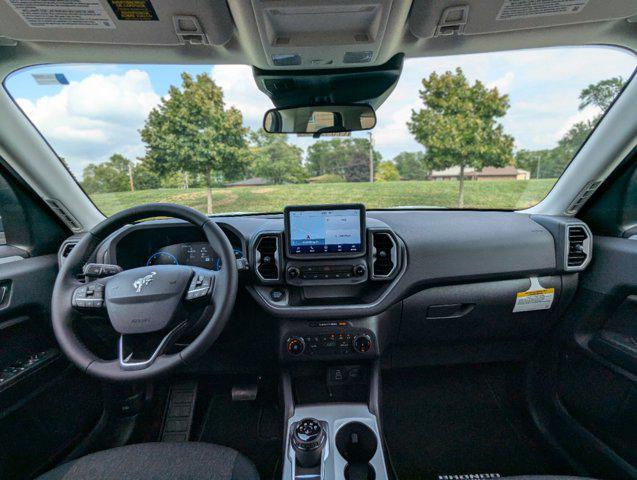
<point>503,84</point>
<point>240,90</point>
<point>89,120</point>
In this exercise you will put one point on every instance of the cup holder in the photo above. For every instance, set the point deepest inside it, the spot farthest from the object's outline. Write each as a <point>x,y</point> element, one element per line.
<point>357,444</point>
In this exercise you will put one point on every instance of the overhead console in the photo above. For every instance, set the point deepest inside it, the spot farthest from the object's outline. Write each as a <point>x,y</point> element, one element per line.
<point>326,251</point>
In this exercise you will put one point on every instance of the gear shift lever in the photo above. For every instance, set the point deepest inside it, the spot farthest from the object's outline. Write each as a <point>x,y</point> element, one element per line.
<point>308,440</point>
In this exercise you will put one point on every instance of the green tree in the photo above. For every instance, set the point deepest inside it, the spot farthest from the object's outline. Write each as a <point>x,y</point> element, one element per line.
<point>387,172</point>
<point>412,165</point>
<point>601,94</point>
<point>347,157</point>
<point>550,163</point>
<point>192,131</point>
<point>458,125</point>
<point>109,176</point>
<point>145,175</point>
<point>275,159</point>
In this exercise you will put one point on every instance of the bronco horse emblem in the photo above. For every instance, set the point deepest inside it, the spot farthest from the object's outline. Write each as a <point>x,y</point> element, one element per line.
<point>141,282</point>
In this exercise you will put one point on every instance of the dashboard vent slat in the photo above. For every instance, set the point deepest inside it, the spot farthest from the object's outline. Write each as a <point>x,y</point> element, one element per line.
<point>267,257</point>
<point>384,255</point>
<point>578,248</point>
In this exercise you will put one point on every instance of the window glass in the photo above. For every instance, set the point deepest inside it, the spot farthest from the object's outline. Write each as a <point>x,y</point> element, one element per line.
<point>487,131</point>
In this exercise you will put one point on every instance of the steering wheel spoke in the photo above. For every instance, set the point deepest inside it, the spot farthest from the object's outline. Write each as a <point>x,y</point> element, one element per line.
<point>127,354</point>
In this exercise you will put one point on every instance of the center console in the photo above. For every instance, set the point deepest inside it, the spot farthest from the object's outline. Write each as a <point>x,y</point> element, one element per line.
<point>335,438</point>
<point>321,259</point>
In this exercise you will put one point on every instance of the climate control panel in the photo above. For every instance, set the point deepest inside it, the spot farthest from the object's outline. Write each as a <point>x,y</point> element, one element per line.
<point>336,344</point>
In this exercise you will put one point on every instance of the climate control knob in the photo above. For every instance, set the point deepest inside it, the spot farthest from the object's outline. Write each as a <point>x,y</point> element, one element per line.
<point>295,345</point>
<point>362,343</point>
<point>359,270</point>
<point>293,272</point>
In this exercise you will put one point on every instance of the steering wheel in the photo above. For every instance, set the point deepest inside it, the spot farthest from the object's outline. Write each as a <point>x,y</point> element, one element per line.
<point>149,307</point>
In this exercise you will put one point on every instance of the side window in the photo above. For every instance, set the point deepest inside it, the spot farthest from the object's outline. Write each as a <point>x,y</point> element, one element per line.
<point>27,226</point>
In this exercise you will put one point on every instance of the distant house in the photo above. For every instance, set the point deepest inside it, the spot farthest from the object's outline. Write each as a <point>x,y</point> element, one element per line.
<point>487,173</point>
<point>249,182</point>
<point>504,173</point>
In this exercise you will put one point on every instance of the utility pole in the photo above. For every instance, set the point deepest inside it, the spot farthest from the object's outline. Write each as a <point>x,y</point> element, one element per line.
<point>130,177</point>
<point>537,173</point>
<point>371,157</point>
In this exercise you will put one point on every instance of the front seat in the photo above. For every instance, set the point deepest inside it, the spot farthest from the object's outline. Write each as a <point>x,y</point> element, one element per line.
<point>158,461</point>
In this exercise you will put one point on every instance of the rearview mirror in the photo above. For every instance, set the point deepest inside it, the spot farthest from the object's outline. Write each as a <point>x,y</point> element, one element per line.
<point>320,120</point>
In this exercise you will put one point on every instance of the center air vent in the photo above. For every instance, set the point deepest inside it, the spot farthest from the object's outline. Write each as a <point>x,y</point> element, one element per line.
<point>267,251</point>
<point>384,255</point>
<point>578,248</point>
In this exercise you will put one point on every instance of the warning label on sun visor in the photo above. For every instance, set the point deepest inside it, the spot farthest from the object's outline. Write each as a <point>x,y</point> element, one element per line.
<point>135,10</point>
<point>62,13</point>
<point>516,9</point>
<point>535,298</point>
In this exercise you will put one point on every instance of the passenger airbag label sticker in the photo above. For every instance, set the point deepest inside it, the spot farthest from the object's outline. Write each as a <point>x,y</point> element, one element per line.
<point>516,9</point>
<point>62,13</point>
<point>135,10</point>
<point>535,298</point>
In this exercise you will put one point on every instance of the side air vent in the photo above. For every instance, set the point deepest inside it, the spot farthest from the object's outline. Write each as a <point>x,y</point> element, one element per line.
<point>384,255</point>
<point>582,197</point>
<point>63,213</point>
<point>578,247</point>
<point>65,250</point>
<point>267,257</point>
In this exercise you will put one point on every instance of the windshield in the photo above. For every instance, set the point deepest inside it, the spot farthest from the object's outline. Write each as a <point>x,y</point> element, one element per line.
<point>487,131</point>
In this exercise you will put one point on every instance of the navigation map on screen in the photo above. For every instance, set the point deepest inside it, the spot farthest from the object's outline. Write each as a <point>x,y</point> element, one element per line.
<point>325,231</point>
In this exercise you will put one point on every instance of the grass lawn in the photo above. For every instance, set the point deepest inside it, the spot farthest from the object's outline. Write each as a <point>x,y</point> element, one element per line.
<point>495,194</point>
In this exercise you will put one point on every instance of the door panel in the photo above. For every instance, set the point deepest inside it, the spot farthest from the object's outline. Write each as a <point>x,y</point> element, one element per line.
<point>589,385</point>
<point>46,406</point>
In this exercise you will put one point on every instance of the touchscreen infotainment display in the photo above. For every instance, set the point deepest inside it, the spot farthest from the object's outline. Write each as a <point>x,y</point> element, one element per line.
<point>332,230</point>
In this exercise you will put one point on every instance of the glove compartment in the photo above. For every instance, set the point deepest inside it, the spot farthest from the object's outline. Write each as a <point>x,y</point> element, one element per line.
<point>470,313</point>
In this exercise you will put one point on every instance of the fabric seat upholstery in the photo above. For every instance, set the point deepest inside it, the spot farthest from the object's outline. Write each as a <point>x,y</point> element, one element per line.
<point>159,461</point>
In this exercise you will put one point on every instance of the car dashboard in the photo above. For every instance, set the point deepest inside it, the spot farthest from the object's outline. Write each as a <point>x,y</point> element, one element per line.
<point>423,284</point>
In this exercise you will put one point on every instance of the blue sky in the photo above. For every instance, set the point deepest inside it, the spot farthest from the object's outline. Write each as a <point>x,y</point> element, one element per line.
<point>104,106</point>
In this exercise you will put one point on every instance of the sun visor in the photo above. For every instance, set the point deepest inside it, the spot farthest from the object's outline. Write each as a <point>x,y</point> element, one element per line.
<point>434,18</point>
<point>126,22</point>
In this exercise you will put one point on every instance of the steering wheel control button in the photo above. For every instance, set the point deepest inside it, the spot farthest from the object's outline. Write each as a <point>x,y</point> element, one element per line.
<point>89,296</point>
<point>98,270</point>
<point>295,346</point>
<point>200,286</point>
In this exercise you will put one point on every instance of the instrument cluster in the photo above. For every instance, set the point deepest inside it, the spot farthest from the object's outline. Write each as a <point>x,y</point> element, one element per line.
<point>196,254</point>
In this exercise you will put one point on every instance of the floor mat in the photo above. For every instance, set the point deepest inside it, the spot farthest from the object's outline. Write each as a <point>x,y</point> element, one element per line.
<point>464,420</point>
<point>253,428</point>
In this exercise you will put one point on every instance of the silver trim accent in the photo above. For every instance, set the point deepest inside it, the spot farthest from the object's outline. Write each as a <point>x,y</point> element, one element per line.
<point>587,247</point>
<point>124,364</point>
<point>13,258</point>
<point>335,416</point>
